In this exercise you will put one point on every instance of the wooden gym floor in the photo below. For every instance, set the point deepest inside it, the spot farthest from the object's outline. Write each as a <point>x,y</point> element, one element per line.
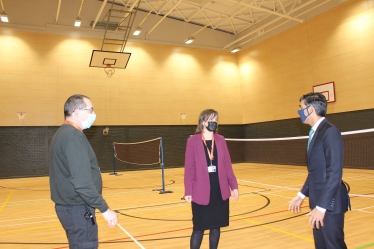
<point>259,219</point>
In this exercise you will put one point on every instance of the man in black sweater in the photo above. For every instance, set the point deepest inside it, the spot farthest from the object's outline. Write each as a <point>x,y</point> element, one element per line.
<point>75,177</point>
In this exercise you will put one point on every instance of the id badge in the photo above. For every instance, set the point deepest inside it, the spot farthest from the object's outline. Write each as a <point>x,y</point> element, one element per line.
<point>212,169</point>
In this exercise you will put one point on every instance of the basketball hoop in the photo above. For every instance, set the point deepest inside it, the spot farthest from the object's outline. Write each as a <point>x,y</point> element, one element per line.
<point>109,70</point>
<point>106,131</point>
<point>21,115</point>
<point>183,115</point>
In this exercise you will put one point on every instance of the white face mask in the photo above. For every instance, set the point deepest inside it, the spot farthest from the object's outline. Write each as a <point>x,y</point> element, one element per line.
<point>89,121</point>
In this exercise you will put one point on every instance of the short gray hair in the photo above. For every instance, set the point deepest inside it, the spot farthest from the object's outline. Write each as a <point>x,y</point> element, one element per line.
<point>75,101</point>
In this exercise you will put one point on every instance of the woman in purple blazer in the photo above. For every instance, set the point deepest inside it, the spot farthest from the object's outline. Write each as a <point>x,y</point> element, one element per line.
<point>208,178</point>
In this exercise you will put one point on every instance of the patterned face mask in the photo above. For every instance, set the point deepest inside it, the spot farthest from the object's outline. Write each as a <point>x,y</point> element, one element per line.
<point>302,115</point>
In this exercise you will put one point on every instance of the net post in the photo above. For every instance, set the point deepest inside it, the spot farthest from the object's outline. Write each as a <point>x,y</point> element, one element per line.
<point>162,191</point>
<point>114,163</point>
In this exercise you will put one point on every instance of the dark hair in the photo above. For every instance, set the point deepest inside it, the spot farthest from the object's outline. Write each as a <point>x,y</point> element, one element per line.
<point>318,101</point>
<point>204,116</point>
<point>75,101</point>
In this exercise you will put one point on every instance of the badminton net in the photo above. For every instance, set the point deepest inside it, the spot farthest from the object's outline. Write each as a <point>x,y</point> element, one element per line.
<point>140,153</point>
<point>358,156</point>
<point>148,152</point>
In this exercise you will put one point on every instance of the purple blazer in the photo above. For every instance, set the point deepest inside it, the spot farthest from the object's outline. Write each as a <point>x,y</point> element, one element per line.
<point>196,175</point>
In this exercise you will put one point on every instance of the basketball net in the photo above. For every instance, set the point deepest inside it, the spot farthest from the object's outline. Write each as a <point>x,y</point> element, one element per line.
<point>109,70</point>
<point>21,115</point>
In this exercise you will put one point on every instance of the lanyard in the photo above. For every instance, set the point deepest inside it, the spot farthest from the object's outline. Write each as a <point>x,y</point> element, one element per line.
<point>210,153</point>
<point>73,124</point>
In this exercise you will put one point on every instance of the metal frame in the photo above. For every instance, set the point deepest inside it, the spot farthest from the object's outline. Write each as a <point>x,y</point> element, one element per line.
<point>245,18</point>
<point>123,21</point>
<point>162,190</point>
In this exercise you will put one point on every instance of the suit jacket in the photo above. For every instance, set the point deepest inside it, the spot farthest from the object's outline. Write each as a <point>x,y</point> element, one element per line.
<point>324,184</point>
<point>196,175</point>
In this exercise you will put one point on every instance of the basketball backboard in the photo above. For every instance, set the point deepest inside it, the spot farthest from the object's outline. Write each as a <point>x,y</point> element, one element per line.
<point>102,59</point>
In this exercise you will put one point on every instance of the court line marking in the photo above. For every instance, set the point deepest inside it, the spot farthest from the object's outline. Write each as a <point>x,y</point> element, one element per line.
<point>181,207</point>
<point>364,211</point>
<point>370,196</point>
<point>365,246</point>
<point>276,186</point>
<point>114,195</point>
<point>279,230</point>
<point>128,234</point>
<point>365,208</point>
<point>5,202</point>
<point>30,218</point>
<point>29,223</point>
<point>30,228</point>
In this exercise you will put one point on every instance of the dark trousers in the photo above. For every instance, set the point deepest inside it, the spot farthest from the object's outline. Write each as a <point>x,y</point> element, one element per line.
<point>81,233</point>
<point>331,235</point>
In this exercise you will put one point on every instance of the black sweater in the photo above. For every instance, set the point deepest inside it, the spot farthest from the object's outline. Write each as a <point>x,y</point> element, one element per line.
<point>74,172</point>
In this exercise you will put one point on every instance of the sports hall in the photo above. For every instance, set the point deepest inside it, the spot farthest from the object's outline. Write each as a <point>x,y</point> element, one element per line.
<point>156,97</point>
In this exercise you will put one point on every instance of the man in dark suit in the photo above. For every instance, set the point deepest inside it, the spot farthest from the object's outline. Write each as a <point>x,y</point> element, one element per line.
<point>328,196</point>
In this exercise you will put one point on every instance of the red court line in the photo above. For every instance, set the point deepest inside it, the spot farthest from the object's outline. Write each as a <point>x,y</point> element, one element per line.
<point>189,228</point>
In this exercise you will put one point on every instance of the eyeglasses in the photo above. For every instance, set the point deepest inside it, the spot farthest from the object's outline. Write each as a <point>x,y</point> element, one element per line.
<point>90,110</point>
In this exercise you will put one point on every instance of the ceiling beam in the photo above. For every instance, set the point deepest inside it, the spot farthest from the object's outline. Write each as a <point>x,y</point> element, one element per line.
<point>99,13</point>
<point>198,10</point>
<point>231,17</point>
<point>58,10</point>
<point>163,17</point>
<point>217,18</point>
<point>266,10</point>
<point>236,42</point>
<point>141,23</point>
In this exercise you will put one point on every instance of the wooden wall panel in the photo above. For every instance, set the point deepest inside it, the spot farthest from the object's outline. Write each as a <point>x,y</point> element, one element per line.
<point>334,46</point>
<point>263,83</point>
<point>38,72</point>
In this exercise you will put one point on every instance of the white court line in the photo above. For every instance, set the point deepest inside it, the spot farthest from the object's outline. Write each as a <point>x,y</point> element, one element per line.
<point>44,201</point>
<point>147,206</point>
<point>132,211</point>
<point>269,185</point>
<point>34,217</point>
<point>364,211</point>
<point>29,223</point>
<point>365,208</point>
<point>137,242</point>
<point>360,177</point>
<point>131,207</point>
<point>370,196</point>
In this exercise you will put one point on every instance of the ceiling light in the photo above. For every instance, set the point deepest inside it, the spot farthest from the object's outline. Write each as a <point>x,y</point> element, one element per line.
<point>137,31</point>
<point>236,49</point>
<point>4,17</point>
<point>78,22</point>
<point>189,40</point>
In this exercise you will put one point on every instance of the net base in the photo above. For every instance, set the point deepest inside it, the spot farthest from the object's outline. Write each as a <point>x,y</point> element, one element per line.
<point>115,174</point>
<point>162,191</point>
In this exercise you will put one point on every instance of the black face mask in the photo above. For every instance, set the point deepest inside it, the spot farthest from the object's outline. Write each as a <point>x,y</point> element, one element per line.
<point>212,126</point>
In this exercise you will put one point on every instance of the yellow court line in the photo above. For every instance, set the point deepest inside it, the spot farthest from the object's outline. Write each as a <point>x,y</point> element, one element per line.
<point>7,199</point>
<point>280,230</point>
